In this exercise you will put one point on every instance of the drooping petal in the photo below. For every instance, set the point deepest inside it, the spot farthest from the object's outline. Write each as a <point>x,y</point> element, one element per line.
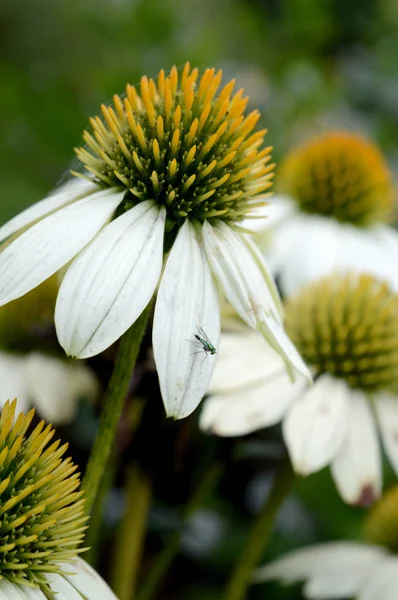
<point>277,338</point>
<point>55,386</point>
<point>244,360</point>
<point>266,218</point>
<point>242,273</point>
<point>356,468</point>
<point>32,593</point>
<point>87,581</point>
<point>13,383</point>
<point>246,410</point>
<point>12,591</point>
<point>381,583</point>
<point>386,407</point>
<point>315,426</point>
<point>74,189</point>
<point>187,299</point>
<point>109,284</point>
<point>347,562</point>
<point>52,242</point>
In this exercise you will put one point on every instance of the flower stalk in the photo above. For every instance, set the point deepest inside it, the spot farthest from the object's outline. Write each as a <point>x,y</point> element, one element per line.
<point>114,400</point>
<point>260,534</point>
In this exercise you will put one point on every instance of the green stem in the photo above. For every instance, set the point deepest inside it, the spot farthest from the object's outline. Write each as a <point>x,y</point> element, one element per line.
<point>93,537</point>
<point>162,564</point>
<point>131,534</point>
<point>114,401</point>
<point>260,534</point>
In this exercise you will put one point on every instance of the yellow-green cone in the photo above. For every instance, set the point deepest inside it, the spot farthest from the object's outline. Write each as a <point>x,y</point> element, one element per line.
<point>42,520</point>
<point>347,326</point>
<point>340,175</point>
<point>381,524</point>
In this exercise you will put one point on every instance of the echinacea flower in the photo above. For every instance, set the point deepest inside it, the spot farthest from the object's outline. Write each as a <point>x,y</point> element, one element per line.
<point>42,517</point>
<point>345,569</point>
<point>335,200</point>
<point>346,329</point>
<point>170,171</point>
<point>31,365</point>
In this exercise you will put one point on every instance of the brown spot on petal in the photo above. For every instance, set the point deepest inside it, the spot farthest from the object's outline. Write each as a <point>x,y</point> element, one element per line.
<point>367,496</point>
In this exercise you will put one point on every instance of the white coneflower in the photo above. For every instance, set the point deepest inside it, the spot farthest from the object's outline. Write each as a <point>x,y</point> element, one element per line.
<point>346,328</point>
<point>170,170</point>
<point>30,366</point>
<point>42,517</point>
<point>366,571</point>
<point>335,201</point>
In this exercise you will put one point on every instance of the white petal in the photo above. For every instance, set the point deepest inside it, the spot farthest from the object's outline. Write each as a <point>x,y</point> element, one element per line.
<point>12,381</point>
<point>61,588</point>
<point>356,468</point>
<point>32,593</point>
<point>277,338</point>
<point>276,212</point>
<point>386,407</point>
<point>242,273</point>
<point>109,284</point>
<point>87,581</point>
<point>243,360</point>
<point>308,249</point>
<point>74,189</point>
<point>187,298</point>
<point>350,560</point>
<point>55,386</point>
<point>382,583</point>
<point>51,243</point>
<point>12,591</point>
<point>252,408</point>
<point>315,426</point>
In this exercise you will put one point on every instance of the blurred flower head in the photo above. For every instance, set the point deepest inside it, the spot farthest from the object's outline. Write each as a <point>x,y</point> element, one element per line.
<point>336,200</point>
<point>368,571</point>
<point>32,365</point>
<point>42,516</point>
<point>346,328</point>
<point>170,170</point>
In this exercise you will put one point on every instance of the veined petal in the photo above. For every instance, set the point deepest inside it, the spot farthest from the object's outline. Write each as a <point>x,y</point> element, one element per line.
<point>32,593</point>
<point>87,581</point>
<point>52,242</point>
<point>61,588</point>
<point>55,386</point>
<point>244,360</point>
<point>329,559</point>
<point>277,338</point>
<point>356,468</point>
<point>250,409</point>
<point>187,299</point>
<point>72,190</point>
<point>12,591</point>
<point>109,284</point>
<point>386,407</point>
<point>315,426</point>
<point>12,381</point>
<point>242,273</point>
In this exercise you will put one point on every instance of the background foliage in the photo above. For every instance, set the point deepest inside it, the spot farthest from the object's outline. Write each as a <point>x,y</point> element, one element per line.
<point>308,66</point>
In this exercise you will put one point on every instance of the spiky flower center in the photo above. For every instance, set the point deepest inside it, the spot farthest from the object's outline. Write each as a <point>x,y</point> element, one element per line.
<point>381,524</point>
<point>27,323</point>
<point>184,143</point>
<point>347,326</point>
<point>41,513</point>
<point>342,176</point>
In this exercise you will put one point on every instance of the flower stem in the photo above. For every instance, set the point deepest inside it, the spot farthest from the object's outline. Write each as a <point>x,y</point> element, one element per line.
<point>131,534</point>
<point>114,400</point>
<point>162,563</point>
<point>260,533</point>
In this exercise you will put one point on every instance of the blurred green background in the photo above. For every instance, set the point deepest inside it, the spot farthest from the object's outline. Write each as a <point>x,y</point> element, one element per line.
<point>308,65</point>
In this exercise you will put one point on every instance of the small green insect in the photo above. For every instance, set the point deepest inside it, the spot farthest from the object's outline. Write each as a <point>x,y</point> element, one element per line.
<point>202,340</point>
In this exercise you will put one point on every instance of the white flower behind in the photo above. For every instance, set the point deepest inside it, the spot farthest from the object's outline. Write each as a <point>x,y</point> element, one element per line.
<point>168,176</point>
<point>346,328</point>
<point>335,201</point>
